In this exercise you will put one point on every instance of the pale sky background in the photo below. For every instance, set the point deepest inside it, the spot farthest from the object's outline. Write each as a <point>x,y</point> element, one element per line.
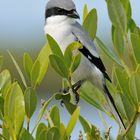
<point>22,21</point>
<point>21,29</point>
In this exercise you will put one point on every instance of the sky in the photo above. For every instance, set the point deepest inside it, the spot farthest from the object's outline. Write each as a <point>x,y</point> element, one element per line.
<point>22,22</point>
<point>21,29</point>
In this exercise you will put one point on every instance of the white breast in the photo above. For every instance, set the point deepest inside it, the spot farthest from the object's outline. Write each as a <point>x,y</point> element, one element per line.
<point>59,28</point>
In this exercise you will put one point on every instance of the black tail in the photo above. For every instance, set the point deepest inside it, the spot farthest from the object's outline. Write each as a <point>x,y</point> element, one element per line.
<point>110,98</point>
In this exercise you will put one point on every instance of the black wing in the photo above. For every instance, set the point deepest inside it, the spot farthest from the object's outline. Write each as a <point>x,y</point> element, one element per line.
<point>96,61</point>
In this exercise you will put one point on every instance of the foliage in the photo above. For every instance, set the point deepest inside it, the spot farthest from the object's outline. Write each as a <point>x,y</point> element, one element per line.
<point>18,101</point>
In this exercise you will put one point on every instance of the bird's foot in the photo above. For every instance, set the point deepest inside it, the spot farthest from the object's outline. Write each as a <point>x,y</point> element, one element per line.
<point>75,88</point>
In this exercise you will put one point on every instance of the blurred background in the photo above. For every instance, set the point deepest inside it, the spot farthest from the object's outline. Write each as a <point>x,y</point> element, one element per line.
<point>21,30</point>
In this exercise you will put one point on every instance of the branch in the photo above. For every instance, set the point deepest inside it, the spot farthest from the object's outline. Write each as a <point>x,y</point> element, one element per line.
<point>131,123</point>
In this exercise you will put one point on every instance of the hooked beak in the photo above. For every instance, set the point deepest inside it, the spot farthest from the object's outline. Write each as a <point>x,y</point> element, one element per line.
<point>74,14</point>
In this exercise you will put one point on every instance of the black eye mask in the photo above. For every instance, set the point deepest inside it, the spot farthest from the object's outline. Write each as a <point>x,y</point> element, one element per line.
<point>58,11</point>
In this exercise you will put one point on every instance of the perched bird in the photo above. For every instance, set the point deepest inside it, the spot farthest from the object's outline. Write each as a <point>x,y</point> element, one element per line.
<point>61,24</point>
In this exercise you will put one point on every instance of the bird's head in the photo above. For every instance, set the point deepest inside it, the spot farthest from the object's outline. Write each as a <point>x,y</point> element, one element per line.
<point>61,8</point>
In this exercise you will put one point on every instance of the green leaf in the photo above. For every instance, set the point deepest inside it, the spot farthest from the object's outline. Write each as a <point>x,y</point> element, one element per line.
<point>72,122</point>
<point>43,59</point>
<point>71,52</point>
<point>18,69</point>
<point>126,98</point>
<point>35,73</point>
<point>5,132</point>
<point>117,14</point>
<point>54,46</point>
<point>132,25</point>
<point>127,7</point>
<point>42,111</point>
<point>53,134</point>
<point>135,39</point>
<point>27,63</point>
<point>131,133</point>
<point>50,134</point>
<point>135,87</point>
<point>53,113</point>
<point>41,127</point>
<point>137,31</point>
<point>85,12</point>
<point>123,81</point>
<point>119,42</point>
<point>85,124</point>
<point>138,69</point>
<point>62,130</point>
<point>88,136</point>
<point>127,106</point>
<point>14,109</point>
<point>92,95</point>
<point>59,65</point>
<point>1,108</point>
<point>25,135</point>
<point>30,98</point>
<point>94,132</point>
<point>5,78</point>
<point>75,62</point>
<point>90,23</point>
<point>120,101</point>
<point>108,52</point>
<point>113,32</point>
<point>43,135</point>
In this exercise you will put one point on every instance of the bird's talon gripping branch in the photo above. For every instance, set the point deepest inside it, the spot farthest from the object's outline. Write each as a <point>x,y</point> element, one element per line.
<point>75,88</point>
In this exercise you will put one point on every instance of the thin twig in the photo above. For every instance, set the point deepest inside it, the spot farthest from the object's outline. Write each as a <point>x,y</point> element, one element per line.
<point>131,124</point>
<point>0,126</point>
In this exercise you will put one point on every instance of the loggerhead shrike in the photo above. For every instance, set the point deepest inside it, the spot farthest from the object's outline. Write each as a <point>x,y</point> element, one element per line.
<point>60,23</point>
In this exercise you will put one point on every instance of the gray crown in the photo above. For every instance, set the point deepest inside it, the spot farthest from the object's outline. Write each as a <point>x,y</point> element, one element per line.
<point>64,4</point>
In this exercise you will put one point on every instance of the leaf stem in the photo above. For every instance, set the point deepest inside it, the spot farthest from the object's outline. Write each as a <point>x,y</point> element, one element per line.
<point>131,123</point>
<point>70,83</point>
<point>0,126</point>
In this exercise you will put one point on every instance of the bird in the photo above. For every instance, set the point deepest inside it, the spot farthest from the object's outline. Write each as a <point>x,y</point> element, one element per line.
<point>61,24</point>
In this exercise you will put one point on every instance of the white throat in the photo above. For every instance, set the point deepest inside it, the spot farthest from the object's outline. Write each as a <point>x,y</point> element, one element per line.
<point>59,20</point>
<point>59,27</point>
